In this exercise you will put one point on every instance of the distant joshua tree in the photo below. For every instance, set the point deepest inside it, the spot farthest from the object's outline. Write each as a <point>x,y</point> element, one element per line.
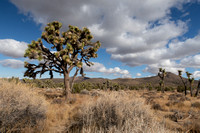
<point>198,87</point>
<point>162,75</point>
<point>184,83</point>
<point>68,51</point>
<point>191,81</point>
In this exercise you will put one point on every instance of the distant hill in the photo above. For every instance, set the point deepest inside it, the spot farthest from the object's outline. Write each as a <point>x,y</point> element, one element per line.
<point>170,80</point>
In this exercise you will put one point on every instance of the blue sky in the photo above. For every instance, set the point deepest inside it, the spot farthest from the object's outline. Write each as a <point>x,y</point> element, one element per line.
<point>137,37</point>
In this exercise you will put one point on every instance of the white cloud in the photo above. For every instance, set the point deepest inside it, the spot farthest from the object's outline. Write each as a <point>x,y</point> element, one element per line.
<point>135,32</point>
<point>196,74</point>
<point>12,48</point>
<point>12,63</point>
<point>98,67</point>
<point>169,66</point>
<point>138,74</point>
<point>191,61</point>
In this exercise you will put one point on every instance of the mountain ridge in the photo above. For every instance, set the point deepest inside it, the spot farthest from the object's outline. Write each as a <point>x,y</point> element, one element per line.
<point>171,79</point>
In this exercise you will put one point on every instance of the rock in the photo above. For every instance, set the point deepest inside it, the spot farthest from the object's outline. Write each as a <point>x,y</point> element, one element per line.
<point>85,92</point>
<point>95,93</point>
<point>57,101</point>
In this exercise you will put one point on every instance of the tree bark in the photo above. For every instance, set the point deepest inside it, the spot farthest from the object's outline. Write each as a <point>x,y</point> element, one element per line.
<point>184,85</point>
<point>163,89</point>
<point>72,82</point>
<point>66,92</point>
<point>198,87</point>
<point>191,89</point>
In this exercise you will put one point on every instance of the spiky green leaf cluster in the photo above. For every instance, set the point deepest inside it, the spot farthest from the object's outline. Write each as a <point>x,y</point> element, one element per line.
<point>71,49</point>
<point>180,72</point>
<point>190,79</point>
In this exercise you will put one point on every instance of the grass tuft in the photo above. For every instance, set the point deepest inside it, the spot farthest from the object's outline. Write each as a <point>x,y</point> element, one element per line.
<point>19,107</point>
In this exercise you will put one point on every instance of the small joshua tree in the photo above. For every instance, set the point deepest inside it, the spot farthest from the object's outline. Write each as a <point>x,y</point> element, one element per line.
<point>68,51</point>
<point>184,83</point>
<point>198,87</point>
<point>162,75</point>
<point>191,81</point>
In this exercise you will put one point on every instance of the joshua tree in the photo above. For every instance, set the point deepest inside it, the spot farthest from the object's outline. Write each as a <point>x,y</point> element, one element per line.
<point>184,83</point>
<point>198,87</point>
<point>68,51</point>
<point>162,75</point>
<point>107,85</point>
<point>191,81</point>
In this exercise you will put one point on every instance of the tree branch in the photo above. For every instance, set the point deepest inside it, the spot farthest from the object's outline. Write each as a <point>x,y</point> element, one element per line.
<point>76,73</point>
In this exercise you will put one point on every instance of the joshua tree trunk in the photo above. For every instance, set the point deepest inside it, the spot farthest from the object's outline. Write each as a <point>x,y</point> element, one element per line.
<point>66,92</point>
<point>72,82</point>
<point>184,85</point>
<point>191,90</point>
<point>185,90</point>
<point>163,89</point>
<point>198,87</point>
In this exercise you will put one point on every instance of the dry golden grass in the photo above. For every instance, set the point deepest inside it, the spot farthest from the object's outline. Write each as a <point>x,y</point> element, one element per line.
<point>181,113</point>
<point>27,110</point>
<point>20,107</point>
<point>115,112</point>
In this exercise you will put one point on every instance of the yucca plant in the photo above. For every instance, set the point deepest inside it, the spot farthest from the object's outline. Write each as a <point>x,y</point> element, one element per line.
<point>68,50</point>
<point>184,83</point>
<point>162,75</point>
<point>198,87</point>
<point>191,81</point>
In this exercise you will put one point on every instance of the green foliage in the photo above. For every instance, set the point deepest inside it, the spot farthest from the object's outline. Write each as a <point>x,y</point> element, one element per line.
<point>158,88</point>
<point>71,48</point>
<point>169,88</point>
<point>149,87</point>
<point>47,83</point>
<point>184,83</point>
<point>191,81</point>
<point>133,88</point>
<point>108,85</point>
<point>78,87</point>
<point>14,79</point>
<point>180,88</point>
<point>162,74</point>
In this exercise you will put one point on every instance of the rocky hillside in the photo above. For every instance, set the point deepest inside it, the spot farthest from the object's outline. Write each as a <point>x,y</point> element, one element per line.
<point>170,80</point>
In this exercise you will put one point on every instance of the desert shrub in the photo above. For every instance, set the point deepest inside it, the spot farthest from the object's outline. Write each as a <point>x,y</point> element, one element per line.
<point>169,88</point>
<point>195,127</point>
<point>180,89</point>
<point>114,113</point>
<point>158,88</point>
<point>47,83</point>
<point>133,88</point>
<point>19,107</point>
<point>173,97</point>
<point>14,79</point>
<point>196,105</point>
<point>157,106</point>
<point>116,87</point>
<point>149,87</point>
<point>78,87</point>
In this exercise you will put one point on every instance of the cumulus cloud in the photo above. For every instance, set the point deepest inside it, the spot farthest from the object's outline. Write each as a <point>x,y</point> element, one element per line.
<point>133,32</point>
<point>98,67</point>
<point>196,74</point>
<point>191,61</point>
<point>12,48</point>
<point>168,65</point>
<point>138,74</point>
<point>12,63</point>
